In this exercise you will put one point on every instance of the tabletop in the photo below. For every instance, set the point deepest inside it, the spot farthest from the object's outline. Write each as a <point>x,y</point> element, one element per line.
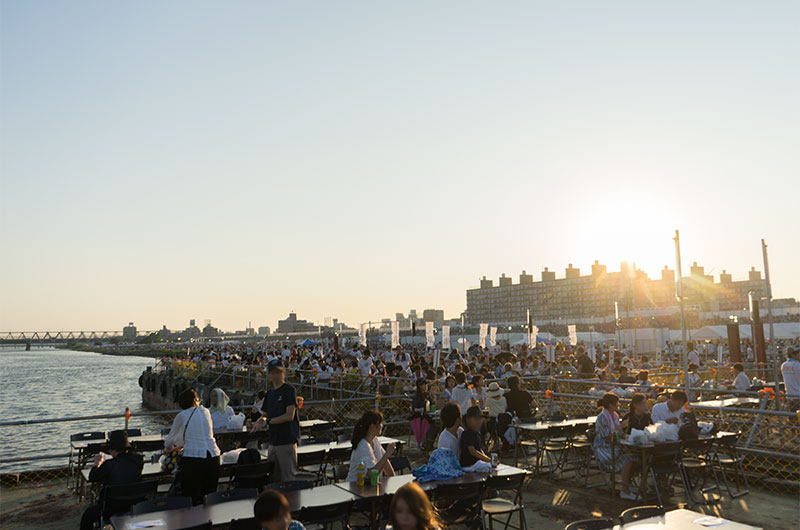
<point>648,445</point>
<point>310,448</point>
<point>725,402</point>
<point>544,425</point>
<point>686,519</point>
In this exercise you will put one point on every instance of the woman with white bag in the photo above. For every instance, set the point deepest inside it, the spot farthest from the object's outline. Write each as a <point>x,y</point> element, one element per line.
<point>608,428</point>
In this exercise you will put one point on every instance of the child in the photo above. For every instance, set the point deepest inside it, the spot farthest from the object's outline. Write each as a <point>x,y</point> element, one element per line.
<point>411,509</point>
<point>271,512</point>
<point>471,440</point>
<point>451,434</point>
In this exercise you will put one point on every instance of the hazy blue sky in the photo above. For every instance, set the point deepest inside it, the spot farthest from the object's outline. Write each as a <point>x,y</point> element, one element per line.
<point>236,160</point>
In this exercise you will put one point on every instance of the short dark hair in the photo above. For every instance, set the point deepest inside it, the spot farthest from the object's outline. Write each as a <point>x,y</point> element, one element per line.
<point>269,506</point>
<point>477,379</point>
<point>450,414</point>
<point>188,398</point>
<point>460,377</point>
<point>607,400</point>
<point>738,367</point>
<point>679,395</point>
<point>474,412</point>
<point>513,382</point>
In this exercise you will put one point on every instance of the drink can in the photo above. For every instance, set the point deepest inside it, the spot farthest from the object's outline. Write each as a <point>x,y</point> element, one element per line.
<point>495,460</point>
<point>373,477</point>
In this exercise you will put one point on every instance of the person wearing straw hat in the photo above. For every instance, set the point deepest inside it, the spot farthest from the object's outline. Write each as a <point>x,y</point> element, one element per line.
<point>496,403</point>
<point>121,467</point>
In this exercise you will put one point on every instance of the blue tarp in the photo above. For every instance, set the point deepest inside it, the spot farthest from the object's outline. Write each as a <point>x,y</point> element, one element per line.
<point>309,342</point>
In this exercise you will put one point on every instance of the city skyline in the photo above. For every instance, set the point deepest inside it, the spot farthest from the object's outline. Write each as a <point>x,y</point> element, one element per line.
<point>352,160</point>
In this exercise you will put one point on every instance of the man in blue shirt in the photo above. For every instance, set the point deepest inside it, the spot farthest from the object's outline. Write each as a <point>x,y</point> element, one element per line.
<point>280,408</point>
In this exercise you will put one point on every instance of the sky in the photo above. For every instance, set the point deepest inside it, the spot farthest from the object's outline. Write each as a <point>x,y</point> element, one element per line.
<point>234,161</point>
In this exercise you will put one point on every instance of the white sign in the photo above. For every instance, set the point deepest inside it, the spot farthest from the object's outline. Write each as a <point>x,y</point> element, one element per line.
<point>482,336</point>
<point>362,334</point>
<point>446,338</point>
<point>573,335</point>
<point>395,334</point>
<point>493,336</point>
<point>550,353</point>
<point>429,334</point>
<point>534,331</point>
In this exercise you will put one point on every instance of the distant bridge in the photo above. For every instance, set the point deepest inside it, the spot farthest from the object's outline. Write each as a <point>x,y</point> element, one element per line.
<point>61,336</point>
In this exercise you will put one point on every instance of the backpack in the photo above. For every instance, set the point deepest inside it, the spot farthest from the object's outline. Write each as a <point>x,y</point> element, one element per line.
<point>688,429</point>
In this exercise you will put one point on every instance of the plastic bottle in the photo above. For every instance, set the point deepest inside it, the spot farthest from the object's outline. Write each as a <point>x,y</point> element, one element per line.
<point>360,471</point>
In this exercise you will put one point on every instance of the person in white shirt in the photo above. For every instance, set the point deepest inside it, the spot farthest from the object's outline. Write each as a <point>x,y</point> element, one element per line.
<point>740,381</point>
<point>198,471</point>
<point>669,411</point>
<point>461,394</point>
<point>694,358</point>
<point>221,413</point>
<point>285,354</point>
<point>450,438</point>
<point>791,378</point>
<point>365,364</point>
<point>367,447</point>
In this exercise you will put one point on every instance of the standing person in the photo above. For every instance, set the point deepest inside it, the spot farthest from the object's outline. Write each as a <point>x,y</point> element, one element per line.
<point>123,467</point>
<point>791,378</point>
<point>366,364</point>
<point>192,428</point>
<point>280,409</point>
<point>693,356</point>
<point>694,381</point>
<point>367,447</point>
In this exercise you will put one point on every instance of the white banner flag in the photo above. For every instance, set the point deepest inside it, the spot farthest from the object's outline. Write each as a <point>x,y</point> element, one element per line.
<point>493,336</point>
<point>395,334</point>
<point>446,338</point>
<point>482,335</point>
<point>362,334</point>
<point>429,334</point>
<point>534,331</point>
<point>573,335</point>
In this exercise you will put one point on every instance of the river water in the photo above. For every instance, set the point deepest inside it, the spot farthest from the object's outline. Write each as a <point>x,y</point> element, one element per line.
<point>51,383</point>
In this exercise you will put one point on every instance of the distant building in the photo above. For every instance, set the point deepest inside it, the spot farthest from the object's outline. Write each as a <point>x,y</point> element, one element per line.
<point>129,332</point>
<point>263,331</point>
<point>434,315</point>
<point>577,299</point>
<point>293,325</point>
<point>210,331</point>
<point>192,332</point>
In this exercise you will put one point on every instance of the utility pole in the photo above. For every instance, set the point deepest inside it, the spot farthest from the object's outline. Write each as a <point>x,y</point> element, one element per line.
<point>679,294</point>
<point>773,349</point>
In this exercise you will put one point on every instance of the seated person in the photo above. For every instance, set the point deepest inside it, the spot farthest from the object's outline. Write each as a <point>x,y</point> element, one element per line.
<point>670,410</point>
<point>220,411</point>
<point>624,377</point>
<point>606,427</point>
<point>639,415</point>
<point>271,512</point>
<point>122,467</point>
<point>411,509</point>
<point>452,430</point>
<point>518,401</point>
<point>644,385</point>
<point>740,380</point>
<point>471,444</point>
<point>461,394</point>
<point>367,448</point>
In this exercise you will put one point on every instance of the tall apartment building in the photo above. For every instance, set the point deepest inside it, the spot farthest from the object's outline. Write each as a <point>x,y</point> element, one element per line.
<point>582,299</point>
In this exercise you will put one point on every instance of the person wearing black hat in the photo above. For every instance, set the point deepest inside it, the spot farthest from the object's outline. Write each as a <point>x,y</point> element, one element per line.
<point>280,409</point>
<point>121,467</point>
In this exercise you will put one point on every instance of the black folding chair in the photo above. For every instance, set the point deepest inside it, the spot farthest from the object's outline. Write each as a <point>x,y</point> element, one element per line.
<point>160,504</point>
<point>131,432</point>
<point>119,498</point>
<point>726,459</point>
<point>237,494</point>
<point>400,463</point>
<point>338,472</point>
<point>290,485</point>
<point>251,475</point>
<point>601,523</point>
<point>556,447</point>
<point>664,465</point>
<point>498,505</point>
<point>327,515</point>
<point>460,503</point>
<point>80,458</point>
<point>697,462</point>
<point>641,512</point>
<point>245,524</point>
<point>311,466</point>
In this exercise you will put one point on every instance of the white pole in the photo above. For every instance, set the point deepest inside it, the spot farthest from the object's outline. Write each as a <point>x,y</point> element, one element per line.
<point>679,293</point>
<point>773,349</point>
